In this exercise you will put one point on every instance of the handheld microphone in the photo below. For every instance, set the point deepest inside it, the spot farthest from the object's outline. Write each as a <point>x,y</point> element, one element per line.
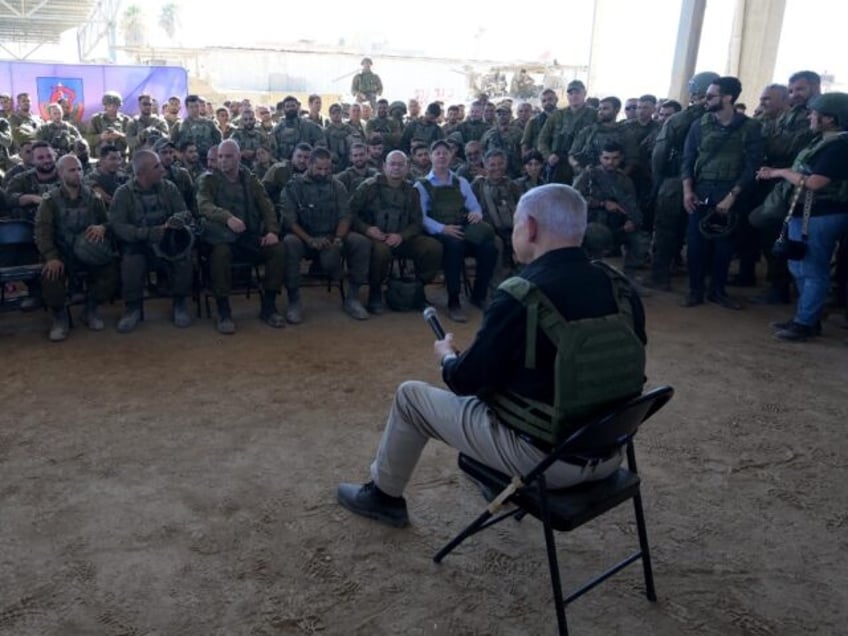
<point>432,319</point>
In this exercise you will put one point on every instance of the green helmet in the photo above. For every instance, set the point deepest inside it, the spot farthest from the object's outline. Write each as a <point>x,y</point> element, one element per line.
<point>175,245</point>
<point>833,105</point>
<point>112,97</point>
<point>398,105</point>
<point>597,240</point>
<point>93,253</point>
<point>700,82</point>
<point>714,225</point>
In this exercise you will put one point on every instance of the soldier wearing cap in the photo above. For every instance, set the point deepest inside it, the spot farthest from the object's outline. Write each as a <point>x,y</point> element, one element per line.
<point>196,128</point>
<point>108,126</point>
<point>387,126</point>
<point>561,129</point>
<point>141,212</point>
<point>292,130</point>
<point>174,173</point>
<point>57,132</point>
<point>147,118</point>
<point>366,85</point>
<point>72,239</point>
<point>425,129</point>
<point>506,137</point>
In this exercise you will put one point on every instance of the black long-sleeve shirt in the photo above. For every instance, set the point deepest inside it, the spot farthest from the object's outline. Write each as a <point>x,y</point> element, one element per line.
<point>495,360</point>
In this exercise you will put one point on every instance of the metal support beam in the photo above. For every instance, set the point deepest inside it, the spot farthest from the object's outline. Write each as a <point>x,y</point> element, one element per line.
<point>99,26</point>
<point>686,50</point>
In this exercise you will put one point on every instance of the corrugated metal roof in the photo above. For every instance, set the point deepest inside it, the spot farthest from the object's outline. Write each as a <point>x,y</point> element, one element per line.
<point>41,20</point>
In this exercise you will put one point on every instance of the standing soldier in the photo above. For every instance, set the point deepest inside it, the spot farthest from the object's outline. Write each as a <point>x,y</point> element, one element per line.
<point>388,127</point>
<point>387,209</point>
<point>722,153</point>
<point>366,85</point>
<point>23,122</point>
<point>241,225</point>
<point>292,130</point>
<point>561,129</point>
<point>425,129</point>
<point>474,127</point>
<point>666,161</point>
<point>249,138</point>
<point>588,145</point>
<point>317,219</point>
<point>339,136</point>
<point>57,132</point>
<point>108,126</point>
<point>146,118</point>
<point>507,138</point>
<point>71,235</point>
<point>141,213</point>
<point>196,128</point>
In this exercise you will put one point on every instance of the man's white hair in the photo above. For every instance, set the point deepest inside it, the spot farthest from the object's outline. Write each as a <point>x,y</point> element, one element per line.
<point>559,210</point>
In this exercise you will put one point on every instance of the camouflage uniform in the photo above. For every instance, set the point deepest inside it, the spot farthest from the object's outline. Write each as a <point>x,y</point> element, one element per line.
<point>219,199</point>
<point>139,123</point>
<point>252,140</point>
<point>388,127</point>
<point>200,131</point>
<point>99,124</point>
<point>557,136</point>
<point>351,178</point>
<point>288,133</point>
<point>368,85</point>
<point>321,209</point>
<point>58,223</point>
<point>588,144</point>
<point>61,136</point>
<point>509,141</point>
<point>420,130</point>
<point>394,210</point>
<point>27,182</point>
<point>498,200</point>
<point>339,139</point>
<point>473,130</point>
<point>605,229</point>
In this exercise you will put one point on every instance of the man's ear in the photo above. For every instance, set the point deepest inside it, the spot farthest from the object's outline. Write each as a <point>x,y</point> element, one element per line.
<point>532,229</point>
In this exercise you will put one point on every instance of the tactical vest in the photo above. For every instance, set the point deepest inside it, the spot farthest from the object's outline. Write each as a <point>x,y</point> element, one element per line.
<point>473,130</point>
<point>500,202</point>
<point>247,139</point>
<point>599,135</point>
<point>569,124</point>
<point>71,218</point>
<point>599,361</point>
<point>287,137</point>
<point>148,209</point>
<point>199,132</point>
<point>368,83</point>
<point>447,203</point>
<point>837,190</point>
<point>388,207</point>
<point>721,153</point>
<point>59,137</point>
<point>337,144</point>
<point>317,212</point>
<point>674,132</point>
<point>424,132</point>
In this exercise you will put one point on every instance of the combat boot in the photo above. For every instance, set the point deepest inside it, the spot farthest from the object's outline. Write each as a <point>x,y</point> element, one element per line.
<point>61,325</point>
<point>269,313</point>
<point>352,306</point>
<point>131,317</point>
<point>91,317</point>
<point>225,324</point>
<point>375,301</point>
<point>182,318</point>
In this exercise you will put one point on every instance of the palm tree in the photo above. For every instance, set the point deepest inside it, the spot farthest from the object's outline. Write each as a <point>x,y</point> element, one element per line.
<point>169,18</point>
<point>133,27</point>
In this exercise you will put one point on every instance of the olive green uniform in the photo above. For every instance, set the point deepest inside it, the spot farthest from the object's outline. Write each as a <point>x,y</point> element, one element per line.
<point>136,217</point>
<point>140,123</point>
<point>200,131</point>
<point>219,199</point>
<point>24,126</point>
<point>420,130</point>
<point>473,130</point>
<point>557,136</point>
<point>106,182</point>
<point>339,139</point>
<point>99,123</point>
<point>58,222</point>
<point>498,200</point>
<point>61,136</point>
<point>288,133</point>
<point>251,140</point>
<point>588,145</point>
<point>351,177</point>
<point>391,130</point>
<point>509,141</point>
<point>394,210</point>
<point>181,178</point>
<point>367,86</point>
<point>27,182</point>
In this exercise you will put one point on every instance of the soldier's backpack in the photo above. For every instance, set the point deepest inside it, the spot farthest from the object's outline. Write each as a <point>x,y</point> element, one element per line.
<point>599,362</point>
<point>405,294</point>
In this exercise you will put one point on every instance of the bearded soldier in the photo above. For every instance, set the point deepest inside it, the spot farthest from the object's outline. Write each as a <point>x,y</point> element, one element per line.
<point>561,129</point>
<point>108,126</point>
<point>292,130</point>
<point>146,118</point>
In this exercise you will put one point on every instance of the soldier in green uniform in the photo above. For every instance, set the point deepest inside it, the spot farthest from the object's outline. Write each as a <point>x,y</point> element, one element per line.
<point>614,216</point>
<point>174,173</point>
<point>316,217</point>
<point>356,123</point>
<point>147,118</point>
<point>389,127</point>
<point>366,85</point>
<point>587,147</point>
<point>339,138</point>
<point>58,133</point>
<point>376,151</point>
<point>506,137</point>
<point>387,209</point>
<point>561,129</point>
<point>534,163</point>
<point>358,170</point>
<point>71,236</point>
<point>293,129</point>
<point>474,127</point>
<point>23,122</point>
<point>189,158</point>
<point>196,128</point>
<point>419,162</point>
<point>20,163</point>
<point>722,153</point>
<point>670,218</point>
<point>451,121</point>
<point>171,113</point>
<point>425,129</point>
<point>24,190</point>
<point>498,196</point>
<point>108,126</point>
<point>279,174</point>
<point>473,166</point>
<point>241,225</point>
<point>249,138</point>
<point>142,210</point>
<point>107,177</point>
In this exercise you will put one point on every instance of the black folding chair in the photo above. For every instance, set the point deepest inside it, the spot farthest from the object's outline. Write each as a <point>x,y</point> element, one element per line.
<point>19,261</point>
<point>569,508</point>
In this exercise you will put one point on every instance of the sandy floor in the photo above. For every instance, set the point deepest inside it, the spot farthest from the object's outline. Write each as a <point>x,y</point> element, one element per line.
<point>179,482</point>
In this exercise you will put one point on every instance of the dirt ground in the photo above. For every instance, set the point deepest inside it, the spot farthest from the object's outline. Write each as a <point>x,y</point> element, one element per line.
<point>180,482</point>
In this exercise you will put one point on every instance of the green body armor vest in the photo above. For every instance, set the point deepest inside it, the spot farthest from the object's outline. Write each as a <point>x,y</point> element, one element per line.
<point>447,205</point>
<point>72,218</point>
<point>836,190</point>
<point>721,153</point>
<point>388,207</point>
<point>599,361</point>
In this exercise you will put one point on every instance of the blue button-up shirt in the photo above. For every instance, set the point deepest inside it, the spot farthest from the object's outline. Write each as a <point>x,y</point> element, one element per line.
<point>471,204</point>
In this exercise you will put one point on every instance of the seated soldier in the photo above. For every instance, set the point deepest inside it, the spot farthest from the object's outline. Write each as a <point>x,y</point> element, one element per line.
<point>71,235</point>
<point>534,164</point>
<point>141,212</point>
<point>376,151</point>
<point>106,178</point>
<point>419,161</point>
<point>278,175</point>
<point>614,214</point>
<point>241,224</point>
<point>359,170</point>
<point>453,216</point>
<point>25,189</point>
<point>316,216</point>
<point>387,209</point>
<point>60,134</point>
<point>498,197</point>
<point>473,166</point>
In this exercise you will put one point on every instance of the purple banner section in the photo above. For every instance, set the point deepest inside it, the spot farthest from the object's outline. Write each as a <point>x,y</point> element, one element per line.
<point>84,84</point>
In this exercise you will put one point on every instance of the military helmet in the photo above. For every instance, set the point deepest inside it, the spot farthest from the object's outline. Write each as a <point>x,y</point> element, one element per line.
<point>112,97</point>
<point>597,240</point>
<point>176,243</point>
<point>714,225</point>
<point>700,82</point>
<point>94,253</point>
<point>833,105</point>
<point>366,60</point>
<point>398,105</point>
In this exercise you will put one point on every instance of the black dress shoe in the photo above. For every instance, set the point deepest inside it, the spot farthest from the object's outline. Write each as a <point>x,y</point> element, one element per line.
<point>724,300</point>
<point>787,324</point>
<point>369,501</point>
<point>796,332</point>
<point>692,300</point>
